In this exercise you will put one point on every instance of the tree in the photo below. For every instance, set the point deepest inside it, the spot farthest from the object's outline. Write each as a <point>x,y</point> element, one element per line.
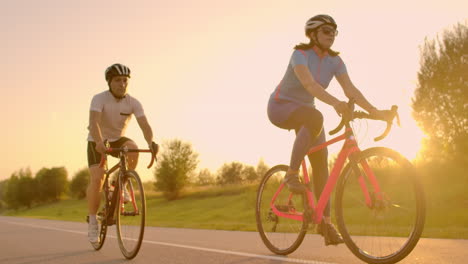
<point>205,177</point>
<point>27,191</point>
<point>230,173</point>
<point>440,104</point>
<point>176,164</point>
<point>3,185</point>
<point>51,183</point>
<point>249,173</point>
<point>20,189</point>
<point>11,191</point>
<point>262,168</point>
<point>79,184</point>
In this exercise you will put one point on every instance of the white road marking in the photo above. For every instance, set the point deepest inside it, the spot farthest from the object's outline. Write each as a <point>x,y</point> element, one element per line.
<point>220,251</point>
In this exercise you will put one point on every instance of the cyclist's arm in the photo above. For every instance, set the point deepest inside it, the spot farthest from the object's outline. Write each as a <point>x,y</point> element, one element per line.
<point>95,130</point>
<point>314,88</point>
<point>146,128</point>
<point>352,92</point>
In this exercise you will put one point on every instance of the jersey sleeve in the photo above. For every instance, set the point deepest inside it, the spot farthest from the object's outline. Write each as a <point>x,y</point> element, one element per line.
<point>298,58</point>
<point>137,108</point>
<point>96,104</point>
<point>341,68</point>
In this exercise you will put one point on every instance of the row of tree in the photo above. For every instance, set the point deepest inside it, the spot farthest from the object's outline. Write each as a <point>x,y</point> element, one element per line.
<point>440,103</point>
<point>178,163</point>
<point>176,169</point>
<point>24,190</point>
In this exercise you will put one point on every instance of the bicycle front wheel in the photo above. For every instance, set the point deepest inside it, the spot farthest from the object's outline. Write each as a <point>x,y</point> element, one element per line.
<point>131,212</point>
<point>280,216</point>
<point>380,226</point>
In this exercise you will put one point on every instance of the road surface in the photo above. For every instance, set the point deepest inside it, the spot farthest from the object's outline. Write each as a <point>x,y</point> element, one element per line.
<point>24,241</point>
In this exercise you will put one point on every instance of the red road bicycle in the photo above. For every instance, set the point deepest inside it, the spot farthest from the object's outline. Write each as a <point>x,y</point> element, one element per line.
<point>379,202</point>
<point>123,203</point>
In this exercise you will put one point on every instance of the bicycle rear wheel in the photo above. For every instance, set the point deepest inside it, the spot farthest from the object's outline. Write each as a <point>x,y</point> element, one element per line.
<point>282,235</point>
<point>131,214</point>
<point>102,217</point>
<point>385,226</point>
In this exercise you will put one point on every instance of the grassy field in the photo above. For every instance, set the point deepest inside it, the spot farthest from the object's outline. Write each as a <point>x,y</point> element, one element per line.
<point>232,208</point>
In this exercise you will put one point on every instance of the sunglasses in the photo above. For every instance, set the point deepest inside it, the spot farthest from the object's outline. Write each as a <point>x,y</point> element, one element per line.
<point>329,31</point>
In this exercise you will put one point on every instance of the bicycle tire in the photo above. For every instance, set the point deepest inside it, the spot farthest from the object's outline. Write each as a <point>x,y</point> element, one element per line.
<point>280,235</point>
<point>389,229</point>
<point>130,218</point>
<point>102,217</point>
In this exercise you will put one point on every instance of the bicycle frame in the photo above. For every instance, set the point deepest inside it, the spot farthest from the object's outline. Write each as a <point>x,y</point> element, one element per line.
<point>349,149</point>
<point>122,165</point>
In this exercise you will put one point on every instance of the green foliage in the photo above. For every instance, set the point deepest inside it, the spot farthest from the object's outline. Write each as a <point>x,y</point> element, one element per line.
<point>79,184</point>
<point>261,169</point>
<point>51,183</point>
<point>230,173</point>
<point>11,191</point>
<point>3,185</point>
<point>205,177</point>
<point>20,189</point>
<point>27,190</point>
<point>249,173</point>
<point>175,166</point>
<point>441,98</point>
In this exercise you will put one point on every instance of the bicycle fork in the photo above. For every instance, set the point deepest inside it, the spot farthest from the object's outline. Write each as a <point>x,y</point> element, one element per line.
<point>128,184</point>
<point>374,197</point>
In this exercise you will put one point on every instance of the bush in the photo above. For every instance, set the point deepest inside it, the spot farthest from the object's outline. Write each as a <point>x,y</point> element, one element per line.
<point>79,184</point>
<point>176,164</point>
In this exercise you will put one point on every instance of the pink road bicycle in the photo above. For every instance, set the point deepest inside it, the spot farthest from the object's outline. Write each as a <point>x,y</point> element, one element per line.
<point>379,202</point>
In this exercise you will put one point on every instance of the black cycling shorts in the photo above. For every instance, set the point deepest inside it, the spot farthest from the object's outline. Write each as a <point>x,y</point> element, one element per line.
<point>94,157</point>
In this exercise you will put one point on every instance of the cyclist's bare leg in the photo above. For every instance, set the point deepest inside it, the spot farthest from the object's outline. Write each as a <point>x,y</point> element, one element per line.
<point>93,194</point>
<point>94,188</point>
<point>132,157</point>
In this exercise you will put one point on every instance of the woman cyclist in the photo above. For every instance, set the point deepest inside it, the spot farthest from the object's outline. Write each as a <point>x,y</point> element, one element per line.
<point>291,106</point>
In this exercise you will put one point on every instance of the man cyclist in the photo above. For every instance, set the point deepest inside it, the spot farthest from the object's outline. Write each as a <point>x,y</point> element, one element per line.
<point>291,106</point>
<point>109,116</point>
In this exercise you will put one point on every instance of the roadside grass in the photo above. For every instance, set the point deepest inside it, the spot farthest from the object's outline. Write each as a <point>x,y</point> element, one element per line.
<point>233,208</point>
<point>446,201</point>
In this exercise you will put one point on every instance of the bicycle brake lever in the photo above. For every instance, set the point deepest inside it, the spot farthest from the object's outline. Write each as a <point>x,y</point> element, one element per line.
<point>154,151</point>
<point>398,120</point>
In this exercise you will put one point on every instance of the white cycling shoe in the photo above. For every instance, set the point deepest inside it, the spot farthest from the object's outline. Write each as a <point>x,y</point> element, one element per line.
<point>126,195</point>
<point>93,233</point>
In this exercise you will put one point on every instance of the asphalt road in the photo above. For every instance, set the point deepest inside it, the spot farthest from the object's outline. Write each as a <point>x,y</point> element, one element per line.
<point>24,241</point>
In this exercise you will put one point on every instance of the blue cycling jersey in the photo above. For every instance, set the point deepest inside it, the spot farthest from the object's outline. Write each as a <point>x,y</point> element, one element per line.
<point>322,68</point>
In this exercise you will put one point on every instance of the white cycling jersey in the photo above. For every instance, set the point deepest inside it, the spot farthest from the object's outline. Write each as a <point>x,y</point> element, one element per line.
<point>115,114</point>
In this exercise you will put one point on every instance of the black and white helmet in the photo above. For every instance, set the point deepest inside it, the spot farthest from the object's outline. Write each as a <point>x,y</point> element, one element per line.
<point>317,21</point>
<point>117,70</point>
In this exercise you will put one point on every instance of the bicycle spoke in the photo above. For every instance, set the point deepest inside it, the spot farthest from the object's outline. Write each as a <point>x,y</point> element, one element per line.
<point>388,228</point>
<point>279,214</point>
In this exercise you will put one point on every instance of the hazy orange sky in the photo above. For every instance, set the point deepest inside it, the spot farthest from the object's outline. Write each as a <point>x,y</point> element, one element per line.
<point>203,71</point>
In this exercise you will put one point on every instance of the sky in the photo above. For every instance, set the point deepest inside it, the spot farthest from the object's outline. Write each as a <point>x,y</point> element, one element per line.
<point>203,70</point>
